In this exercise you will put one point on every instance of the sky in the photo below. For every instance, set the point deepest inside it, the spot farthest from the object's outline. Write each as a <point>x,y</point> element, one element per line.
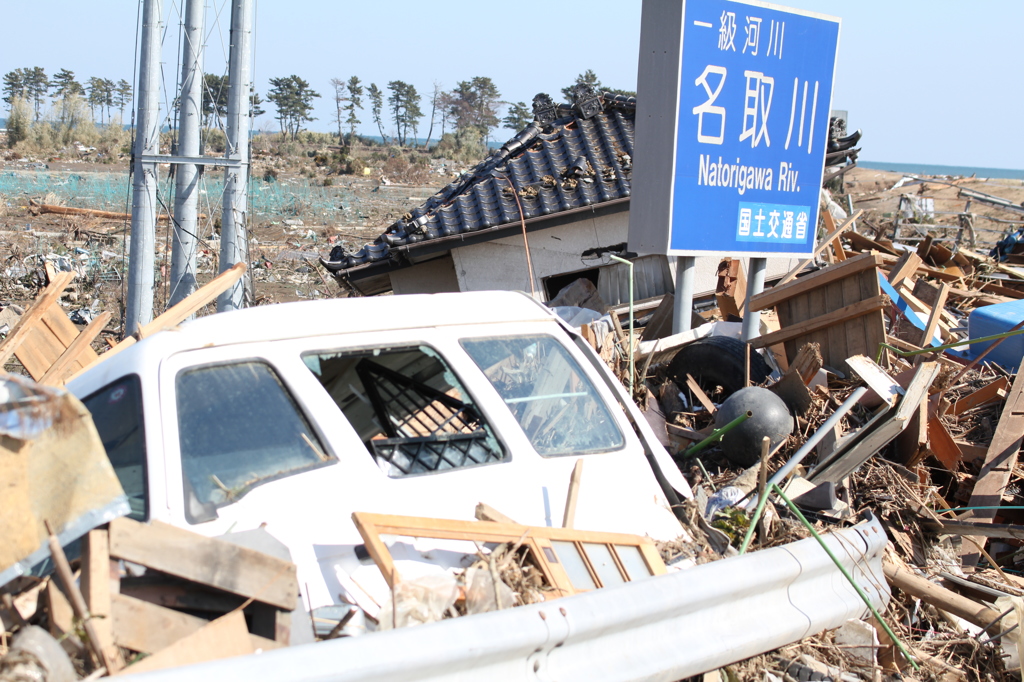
<point>928,81</point>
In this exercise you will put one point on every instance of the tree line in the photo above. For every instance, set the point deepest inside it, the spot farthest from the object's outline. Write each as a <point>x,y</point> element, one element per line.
<point>468,113</point>
<point>471,110</point>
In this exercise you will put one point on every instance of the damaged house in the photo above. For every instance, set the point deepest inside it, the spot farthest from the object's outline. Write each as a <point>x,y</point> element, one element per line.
<point>549,207</point>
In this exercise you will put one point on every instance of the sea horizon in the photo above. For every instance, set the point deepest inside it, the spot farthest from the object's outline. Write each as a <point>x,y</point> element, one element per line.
<point>937,169</point>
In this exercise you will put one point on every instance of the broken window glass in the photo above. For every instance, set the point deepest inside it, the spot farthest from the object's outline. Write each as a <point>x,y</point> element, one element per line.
<point>117,412</point>
<point>408,408</point>
<point>548,393</point>
<point>239,427</point>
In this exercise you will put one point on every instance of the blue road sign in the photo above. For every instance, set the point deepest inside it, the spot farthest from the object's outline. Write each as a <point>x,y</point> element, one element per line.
<point>751,128</point>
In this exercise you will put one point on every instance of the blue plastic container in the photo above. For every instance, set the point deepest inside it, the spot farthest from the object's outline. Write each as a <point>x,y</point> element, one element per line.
<point>995,319</point>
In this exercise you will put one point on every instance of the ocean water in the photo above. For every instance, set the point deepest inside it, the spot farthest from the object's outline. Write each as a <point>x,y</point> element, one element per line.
<point>930,169</point>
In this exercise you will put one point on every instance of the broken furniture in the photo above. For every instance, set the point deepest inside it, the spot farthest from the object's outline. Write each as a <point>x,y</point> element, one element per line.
<point>571,560</point>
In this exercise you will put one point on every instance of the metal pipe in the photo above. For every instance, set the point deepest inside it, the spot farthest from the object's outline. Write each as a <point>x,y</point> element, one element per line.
<point>686,267</point>
<point>755,285</point>
<point>139,306</point>
<point>717,434</point>
<point>186,175</point>
<point>829,424</point>
<point>234,241</point>
<point>632,369</point>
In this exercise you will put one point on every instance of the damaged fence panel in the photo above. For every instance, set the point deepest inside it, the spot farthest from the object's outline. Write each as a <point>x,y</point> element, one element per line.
<point>672,626</point>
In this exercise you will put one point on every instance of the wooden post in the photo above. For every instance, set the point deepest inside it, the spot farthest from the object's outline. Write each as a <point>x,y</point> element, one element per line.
<point>574,494</point>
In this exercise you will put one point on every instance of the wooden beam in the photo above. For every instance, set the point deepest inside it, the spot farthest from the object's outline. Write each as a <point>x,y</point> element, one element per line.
<point>485,512</point>
<point>907,265</point>
<point>825,242</point>
<point>947,600</point>
<point>1000,461</point>
<point>782,292</point>
<point>835,317</point>
<point>569,517</point>
<point>208,561</point>
<point>95,582</point>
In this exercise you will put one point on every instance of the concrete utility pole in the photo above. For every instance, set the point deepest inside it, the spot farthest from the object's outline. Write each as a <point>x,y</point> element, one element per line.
<point>234,241</point>
<point>139,307</point>
<point>186,175</point>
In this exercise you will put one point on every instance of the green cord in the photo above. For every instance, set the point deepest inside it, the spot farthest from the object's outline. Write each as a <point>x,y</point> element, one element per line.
<point>846,574</point>
<point>755,519</point>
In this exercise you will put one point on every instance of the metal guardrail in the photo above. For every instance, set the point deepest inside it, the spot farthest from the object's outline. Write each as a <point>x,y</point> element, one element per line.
<point>662,628</point>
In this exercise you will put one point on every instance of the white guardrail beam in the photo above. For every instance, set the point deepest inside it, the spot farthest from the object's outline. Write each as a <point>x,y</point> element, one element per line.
<point>663,628</point>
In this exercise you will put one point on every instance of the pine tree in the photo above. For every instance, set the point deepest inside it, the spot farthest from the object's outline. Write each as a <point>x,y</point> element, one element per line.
<point>376,106</point>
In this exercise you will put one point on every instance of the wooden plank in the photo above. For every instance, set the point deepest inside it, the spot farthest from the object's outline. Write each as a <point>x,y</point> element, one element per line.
<point>74,357</point>
<point>933,318</point>
<point>222,638</point>
<point>177,314</point>
<point>989,530</point>
<point>208,561</point>
<point>782,292</point>
<point>700,395</point>
<point>999,463</point>
<point>943,446</point>
<point>61,615</point>
<point>833,318</point>
<point>144,627</point>
<point>95,583</point>
<point>862,243</point>
<point>983,396</point>
<point>825,242</point>
<point>884,387</point>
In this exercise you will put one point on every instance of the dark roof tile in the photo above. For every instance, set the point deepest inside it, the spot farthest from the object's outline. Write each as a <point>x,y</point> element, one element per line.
<point>582,157</point>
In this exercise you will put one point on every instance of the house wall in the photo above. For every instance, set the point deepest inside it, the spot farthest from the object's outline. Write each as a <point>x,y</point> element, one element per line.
<point>432,277</point>
<point>501,264</point>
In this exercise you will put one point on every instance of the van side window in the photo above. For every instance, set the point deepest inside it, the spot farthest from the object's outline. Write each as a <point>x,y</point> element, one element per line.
<point>408,407</point>
<point>239,427</point>
<point>548,393</point>
<point>117,412</point>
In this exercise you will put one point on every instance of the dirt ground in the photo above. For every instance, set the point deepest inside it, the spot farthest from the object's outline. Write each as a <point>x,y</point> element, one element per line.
<point>284,246</point>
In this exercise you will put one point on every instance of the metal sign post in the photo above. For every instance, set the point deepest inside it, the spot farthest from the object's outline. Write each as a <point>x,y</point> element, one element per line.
<point>731,129</point>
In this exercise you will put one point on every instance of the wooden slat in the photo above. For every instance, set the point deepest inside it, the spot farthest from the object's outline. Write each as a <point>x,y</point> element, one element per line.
<point>833,318</point>
<point>222,638</point>
<point>836,247</point>
<point>144,627</point>
<point>208,561</point>
<point>1000,461</point>
<point>700,395</point>
<point>988,394</point>
<point>834,273</point>
<point>75,355</point>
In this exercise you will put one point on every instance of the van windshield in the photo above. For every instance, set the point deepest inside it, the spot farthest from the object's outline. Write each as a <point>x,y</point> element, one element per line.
<point>548,393</point>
